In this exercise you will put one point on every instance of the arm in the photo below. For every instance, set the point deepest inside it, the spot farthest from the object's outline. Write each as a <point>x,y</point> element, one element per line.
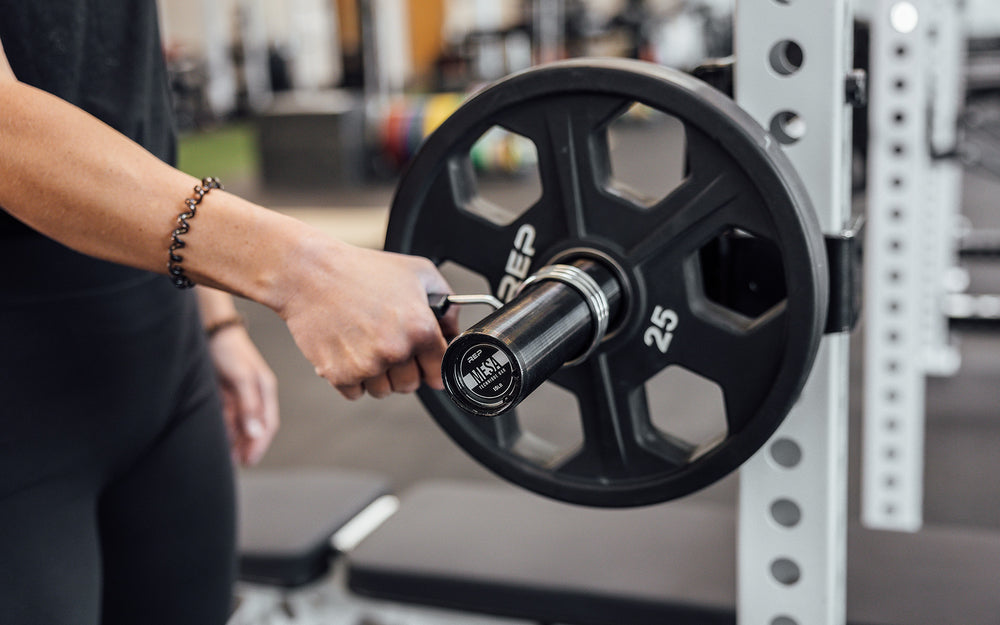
<point>360,316</point>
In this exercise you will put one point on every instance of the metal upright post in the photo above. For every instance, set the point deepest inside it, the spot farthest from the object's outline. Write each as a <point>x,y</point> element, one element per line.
<point>944,193</point>
<point>913,195</point>
<point>792,61</point>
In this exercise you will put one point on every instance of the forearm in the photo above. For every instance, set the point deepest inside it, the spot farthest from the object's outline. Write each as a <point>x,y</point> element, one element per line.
<point>80,182</point>
<point>360,316</point>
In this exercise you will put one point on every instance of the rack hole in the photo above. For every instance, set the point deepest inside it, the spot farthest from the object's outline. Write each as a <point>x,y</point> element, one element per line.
<point>786,571</point>
<point>788,127</point>
<point>786,513</point>
<point>786,453</point>
<point>786,57</point>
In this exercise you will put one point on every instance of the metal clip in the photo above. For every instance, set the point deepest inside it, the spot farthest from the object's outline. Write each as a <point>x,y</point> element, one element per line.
<point>441,302</point>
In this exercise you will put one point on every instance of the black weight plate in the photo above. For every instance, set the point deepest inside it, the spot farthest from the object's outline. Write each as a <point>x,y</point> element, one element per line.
<point>738,180</point>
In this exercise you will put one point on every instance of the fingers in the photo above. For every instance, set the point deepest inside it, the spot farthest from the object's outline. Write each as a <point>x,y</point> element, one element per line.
<point>350,391</point>
<point>403,366</point>
<point>449,324</point>
<point>405,378</point>
<point>429,362</point>
<point>378,386</point>
<point>253,409</point>
<point>386,338</point>
<point>259,428</point>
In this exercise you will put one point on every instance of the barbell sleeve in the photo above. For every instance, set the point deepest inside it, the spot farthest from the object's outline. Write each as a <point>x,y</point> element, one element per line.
<point>559,316</point>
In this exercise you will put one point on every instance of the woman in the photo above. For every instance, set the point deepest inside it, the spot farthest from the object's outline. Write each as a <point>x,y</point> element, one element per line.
<point>116,499</point>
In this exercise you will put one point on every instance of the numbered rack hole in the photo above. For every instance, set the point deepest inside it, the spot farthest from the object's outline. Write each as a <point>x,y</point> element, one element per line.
<point>742,273</point>
<point>688,407</point>
<point>646,154</point>
<point>499,179</point>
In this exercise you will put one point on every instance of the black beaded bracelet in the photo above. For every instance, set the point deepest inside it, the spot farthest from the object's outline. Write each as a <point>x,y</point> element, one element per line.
<point>180,280</point>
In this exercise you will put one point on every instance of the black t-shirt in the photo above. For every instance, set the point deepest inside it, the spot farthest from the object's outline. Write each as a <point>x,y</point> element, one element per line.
<point>104,56</point>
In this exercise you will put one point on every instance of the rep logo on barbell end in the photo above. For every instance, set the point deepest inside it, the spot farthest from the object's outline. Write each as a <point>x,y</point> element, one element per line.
<point>486,373</point>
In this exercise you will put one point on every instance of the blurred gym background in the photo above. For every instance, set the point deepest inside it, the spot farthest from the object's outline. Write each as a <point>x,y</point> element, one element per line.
<point>313,107</point>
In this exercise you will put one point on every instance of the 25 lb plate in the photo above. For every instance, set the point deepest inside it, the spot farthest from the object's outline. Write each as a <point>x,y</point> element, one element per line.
<point>678,309</point>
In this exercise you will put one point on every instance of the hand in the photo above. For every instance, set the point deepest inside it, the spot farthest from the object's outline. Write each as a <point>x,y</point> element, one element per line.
<point>249,393</point>
<point>362,318</point>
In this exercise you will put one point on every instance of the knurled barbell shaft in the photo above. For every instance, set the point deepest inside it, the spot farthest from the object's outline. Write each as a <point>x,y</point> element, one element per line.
<point>498,362</point>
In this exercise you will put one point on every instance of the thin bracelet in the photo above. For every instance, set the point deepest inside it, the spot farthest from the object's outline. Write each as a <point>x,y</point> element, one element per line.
<point>214,328</point>
<point>180,279</point>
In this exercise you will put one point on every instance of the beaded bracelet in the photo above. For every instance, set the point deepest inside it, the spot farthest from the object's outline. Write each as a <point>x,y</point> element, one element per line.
<point>180,280</point>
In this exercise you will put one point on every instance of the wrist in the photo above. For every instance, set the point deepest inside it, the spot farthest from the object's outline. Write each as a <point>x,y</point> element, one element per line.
<point>216,327</point>
<point>245,249</point>
<point>310,258</point>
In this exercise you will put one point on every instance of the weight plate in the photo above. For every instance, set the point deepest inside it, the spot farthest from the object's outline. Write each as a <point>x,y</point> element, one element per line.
<point>738,182</point>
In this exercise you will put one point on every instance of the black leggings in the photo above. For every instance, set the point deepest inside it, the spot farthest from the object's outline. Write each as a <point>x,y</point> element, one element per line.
<point>116,487</point>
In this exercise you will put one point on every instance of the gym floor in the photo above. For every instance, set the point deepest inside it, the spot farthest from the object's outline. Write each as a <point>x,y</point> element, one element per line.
<point>397,438</point>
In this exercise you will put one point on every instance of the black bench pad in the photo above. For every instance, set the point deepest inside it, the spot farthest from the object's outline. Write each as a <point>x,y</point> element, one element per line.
<point>493,549</point>
<point>286,519</point>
